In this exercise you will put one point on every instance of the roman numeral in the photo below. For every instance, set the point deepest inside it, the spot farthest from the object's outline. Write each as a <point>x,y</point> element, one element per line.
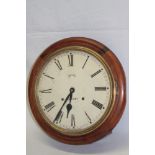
<point>101,88</point>
<point>97,72</point>
<point>97,104</point>
<point>46,91</point>
<point>49,106</point>
<point>73,121</point>
<point>58,117</point>
<point>57,62</point>
<point>85,62</point>
<point>70,59</point>
<point>48,76</point>
<point>88,118</point>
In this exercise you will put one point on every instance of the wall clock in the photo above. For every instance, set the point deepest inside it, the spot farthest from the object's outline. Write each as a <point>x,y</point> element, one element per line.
<point>77,90</point>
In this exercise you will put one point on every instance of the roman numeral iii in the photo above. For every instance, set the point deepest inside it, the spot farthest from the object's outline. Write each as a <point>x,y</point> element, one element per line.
<point>100,88</point>
<point>97,104</point>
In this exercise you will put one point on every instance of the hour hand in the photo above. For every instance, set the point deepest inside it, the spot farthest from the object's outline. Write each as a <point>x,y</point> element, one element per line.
<point>69,107</point>
<point>68,97</point>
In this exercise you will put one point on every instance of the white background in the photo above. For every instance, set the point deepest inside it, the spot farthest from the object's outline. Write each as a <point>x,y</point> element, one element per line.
<point>49,21</point>
<point>13,77</point>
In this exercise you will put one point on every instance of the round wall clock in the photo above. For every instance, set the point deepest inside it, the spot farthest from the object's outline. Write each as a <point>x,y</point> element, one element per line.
<point>76,90</point>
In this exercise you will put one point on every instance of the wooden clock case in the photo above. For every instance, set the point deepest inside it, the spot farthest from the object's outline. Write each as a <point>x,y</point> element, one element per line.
<point>119,100</point>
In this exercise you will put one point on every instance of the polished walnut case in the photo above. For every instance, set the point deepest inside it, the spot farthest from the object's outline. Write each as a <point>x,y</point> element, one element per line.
<point>119,100</point>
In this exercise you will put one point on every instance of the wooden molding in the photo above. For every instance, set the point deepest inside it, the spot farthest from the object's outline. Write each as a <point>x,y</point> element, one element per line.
<point>119,100</point>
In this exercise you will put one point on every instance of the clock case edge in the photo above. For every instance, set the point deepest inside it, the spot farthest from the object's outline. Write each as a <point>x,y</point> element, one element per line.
<point>119,100</point>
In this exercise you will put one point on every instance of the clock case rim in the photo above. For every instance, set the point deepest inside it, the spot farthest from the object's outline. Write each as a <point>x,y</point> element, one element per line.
<point>119,99</point>
<point>110,104</point>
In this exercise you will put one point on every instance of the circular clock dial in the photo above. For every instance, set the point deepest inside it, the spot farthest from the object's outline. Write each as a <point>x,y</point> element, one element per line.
<point>74,91</point>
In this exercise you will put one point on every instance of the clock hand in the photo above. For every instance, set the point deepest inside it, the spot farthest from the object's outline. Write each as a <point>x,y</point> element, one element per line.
<point>59,112</point>
<point>69,106</point>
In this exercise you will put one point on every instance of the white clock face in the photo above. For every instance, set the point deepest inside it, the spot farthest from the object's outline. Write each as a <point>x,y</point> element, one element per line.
<point>74,91</point>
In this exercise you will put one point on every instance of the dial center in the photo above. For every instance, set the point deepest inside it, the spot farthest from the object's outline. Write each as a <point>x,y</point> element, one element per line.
<point>72,90</point>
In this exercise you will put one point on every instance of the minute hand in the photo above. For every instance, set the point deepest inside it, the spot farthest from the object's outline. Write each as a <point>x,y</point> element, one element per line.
<point>59,112</point>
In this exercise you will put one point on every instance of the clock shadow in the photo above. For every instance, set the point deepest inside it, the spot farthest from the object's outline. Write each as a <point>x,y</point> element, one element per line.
<point>110,143</point>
